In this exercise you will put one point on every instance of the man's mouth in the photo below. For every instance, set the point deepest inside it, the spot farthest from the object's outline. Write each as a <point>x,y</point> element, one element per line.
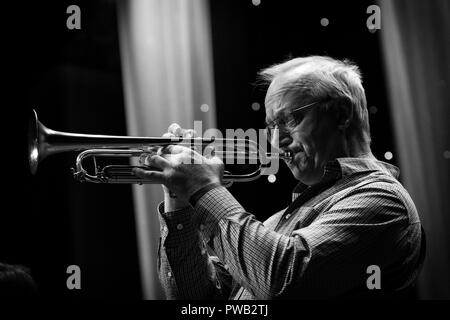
<point>289,160</point>
<point>294,155</point>
<point>287,155</point>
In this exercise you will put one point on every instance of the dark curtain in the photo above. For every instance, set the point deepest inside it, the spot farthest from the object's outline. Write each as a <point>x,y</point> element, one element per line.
<point>416,44</point>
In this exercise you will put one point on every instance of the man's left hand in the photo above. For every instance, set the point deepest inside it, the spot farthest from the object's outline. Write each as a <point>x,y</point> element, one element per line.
<point>182,170</point>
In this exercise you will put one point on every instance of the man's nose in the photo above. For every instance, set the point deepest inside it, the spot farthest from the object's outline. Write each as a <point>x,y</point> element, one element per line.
<point>285,142</point>
<point>280,139</point>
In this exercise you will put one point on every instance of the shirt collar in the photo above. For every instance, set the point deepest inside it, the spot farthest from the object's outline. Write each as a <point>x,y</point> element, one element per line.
<point>343,167</point>
<point>351,166</point>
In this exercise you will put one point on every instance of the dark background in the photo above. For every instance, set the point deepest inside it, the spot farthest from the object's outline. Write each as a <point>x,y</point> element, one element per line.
<point>247,38</point>
<point>73,79</point>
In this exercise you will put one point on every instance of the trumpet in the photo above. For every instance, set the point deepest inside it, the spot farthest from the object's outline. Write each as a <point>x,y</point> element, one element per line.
<point>43,142</point>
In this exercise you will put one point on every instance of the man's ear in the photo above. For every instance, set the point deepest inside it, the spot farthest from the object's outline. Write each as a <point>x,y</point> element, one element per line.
<point>344,115</point>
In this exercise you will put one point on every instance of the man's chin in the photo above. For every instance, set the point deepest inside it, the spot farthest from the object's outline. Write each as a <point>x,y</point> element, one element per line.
<point>304,175</point>
<point>298,173</point>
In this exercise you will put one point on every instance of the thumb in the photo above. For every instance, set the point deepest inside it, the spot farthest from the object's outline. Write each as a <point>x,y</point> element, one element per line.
<point>156,177</point>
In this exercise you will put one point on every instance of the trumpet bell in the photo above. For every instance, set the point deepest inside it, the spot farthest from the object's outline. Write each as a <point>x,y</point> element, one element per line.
<point>33,141</point>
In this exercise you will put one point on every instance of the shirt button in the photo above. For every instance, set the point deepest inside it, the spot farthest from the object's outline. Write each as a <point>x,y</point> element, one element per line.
<point>180,226</point>
<point>287,216</point>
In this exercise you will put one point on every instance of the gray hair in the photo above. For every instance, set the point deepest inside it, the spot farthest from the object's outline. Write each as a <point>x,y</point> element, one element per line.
<point>320,78</point>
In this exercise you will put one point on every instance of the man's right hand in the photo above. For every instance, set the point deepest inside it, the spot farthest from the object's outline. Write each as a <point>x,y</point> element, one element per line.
<point>171,203</point>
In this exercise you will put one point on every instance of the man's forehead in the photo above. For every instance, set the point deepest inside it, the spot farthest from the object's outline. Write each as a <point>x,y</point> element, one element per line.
<point>279,95</point>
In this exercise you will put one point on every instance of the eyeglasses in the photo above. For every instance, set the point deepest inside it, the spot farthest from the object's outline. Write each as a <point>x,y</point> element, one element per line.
<point>287,121</point>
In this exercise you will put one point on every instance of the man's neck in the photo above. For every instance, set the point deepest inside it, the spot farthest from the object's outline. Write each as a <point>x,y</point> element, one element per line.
<point>355,148</point>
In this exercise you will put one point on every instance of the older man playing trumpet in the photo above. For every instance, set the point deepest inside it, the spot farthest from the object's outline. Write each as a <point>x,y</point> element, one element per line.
<point>349,214</point>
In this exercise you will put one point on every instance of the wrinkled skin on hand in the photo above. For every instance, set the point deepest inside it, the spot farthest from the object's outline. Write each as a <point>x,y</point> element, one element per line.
<point>181,170</point>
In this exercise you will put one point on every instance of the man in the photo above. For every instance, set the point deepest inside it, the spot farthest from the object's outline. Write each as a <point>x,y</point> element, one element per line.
<point>351,230</point>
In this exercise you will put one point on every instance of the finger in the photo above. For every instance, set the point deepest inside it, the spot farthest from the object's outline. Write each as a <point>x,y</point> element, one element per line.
<point>152,176</point>
<point>175,129</point>
<point>209,152</point>
<point>145,158</point>
<point>151,149</point>
<point>189,133</point>
<point>157,161</point>
<point>172,149</point>
<point>171,136</point>
<point>168,135</point>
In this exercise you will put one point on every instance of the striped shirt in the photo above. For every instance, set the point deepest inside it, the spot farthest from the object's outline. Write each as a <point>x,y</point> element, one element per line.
<point>325,244</point>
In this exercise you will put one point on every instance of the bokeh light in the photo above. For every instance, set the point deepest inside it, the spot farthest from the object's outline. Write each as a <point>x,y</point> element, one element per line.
<point>388,155</point>
<point>324,22</point>
<point>204,107</point>
<point>256,106</point>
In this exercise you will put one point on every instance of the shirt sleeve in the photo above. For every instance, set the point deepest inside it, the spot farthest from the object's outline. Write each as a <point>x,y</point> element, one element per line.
<point>186,270</point>
<point>320,257</point>
<point>261,260</point>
